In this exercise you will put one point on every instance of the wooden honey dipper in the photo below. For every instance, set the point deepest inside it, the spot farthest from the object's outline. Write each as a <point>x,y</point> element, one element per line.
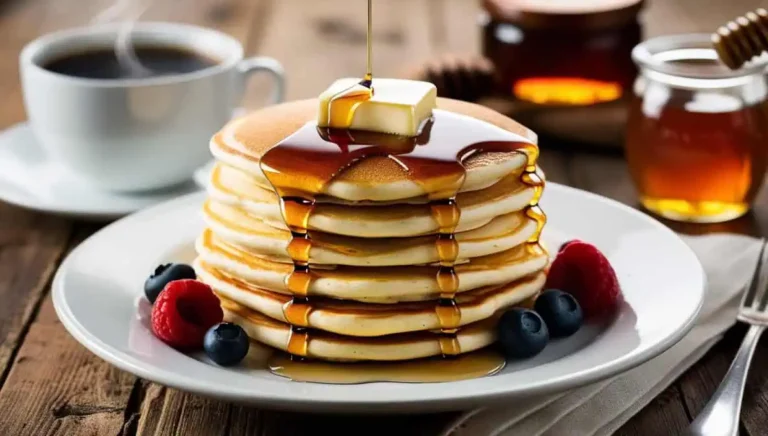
<point>742,39</point>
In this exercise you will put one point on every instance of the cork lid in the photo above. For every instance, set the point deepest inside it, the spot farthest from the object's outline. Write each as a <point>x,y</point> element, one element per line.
<point>583,14</point>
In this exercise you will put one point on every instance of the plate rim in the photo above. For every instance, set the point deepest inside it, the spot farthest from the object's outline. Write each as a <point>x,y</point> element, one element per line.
<point>368,404</point>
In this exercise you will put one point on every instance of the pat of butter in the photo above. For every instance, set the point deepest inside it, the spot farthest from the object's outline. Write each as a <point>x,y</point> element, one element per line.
<point>397,106</point>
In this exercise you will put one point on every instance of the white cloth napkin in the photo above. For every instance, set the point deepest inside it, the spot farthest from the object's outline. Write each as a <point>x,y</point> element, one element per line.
<point>603,407</point>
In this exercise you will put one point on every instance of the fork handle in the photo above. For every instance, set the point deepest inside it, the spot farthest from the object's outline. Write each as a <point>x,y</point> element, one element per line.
<point>720,417</point>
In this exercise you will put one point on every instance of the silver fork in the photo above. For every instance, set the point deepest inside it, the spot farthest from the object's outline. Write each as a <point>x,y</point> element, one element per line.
<point>720,417</point>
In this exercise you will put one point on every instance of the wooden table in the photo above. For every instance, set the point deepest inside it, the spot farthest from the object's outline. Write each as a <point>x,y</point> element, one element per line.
<point>49,384</point>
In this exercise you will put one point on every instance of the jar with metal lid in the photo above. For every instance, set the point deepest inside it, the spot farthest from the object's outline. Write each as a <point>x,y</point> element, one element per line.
<point>562,52</point>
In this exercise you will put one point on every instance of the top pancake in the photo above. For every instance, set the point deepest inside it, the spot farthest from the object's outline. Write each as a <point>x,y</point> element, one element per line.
<point>242,142</point>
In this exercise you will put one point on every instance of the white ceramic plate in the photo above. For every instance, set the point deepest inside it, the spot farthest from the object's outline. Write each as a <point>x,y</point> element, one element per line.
<point>99,298</point>
<point>28,178</point>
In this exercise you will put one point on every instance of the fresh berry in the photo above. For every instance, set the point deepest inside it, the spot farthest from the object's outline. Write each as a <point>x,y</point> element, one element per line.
<point>226,343</point>
<point>183,312</point>
<point>522,333</point>
<point>584,272</point>
<point>566,243</point>
<point>165,274</point>
<point>560,311</point>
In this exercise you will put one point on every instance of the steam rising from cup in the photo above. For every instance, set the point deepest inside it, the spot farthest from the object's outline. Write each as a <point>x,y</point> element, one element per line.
<point>126,12</point>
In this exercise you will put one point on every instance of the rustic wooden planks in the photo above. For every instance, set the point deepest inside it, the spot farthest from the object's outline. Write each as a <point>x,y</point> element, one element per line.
<point>30,247</point>
<point>664,416</point>
<point>168,411</point>
<point>699,383</point>
<point>755,413</point>
<point>55,386</point>
<point>58,387</point>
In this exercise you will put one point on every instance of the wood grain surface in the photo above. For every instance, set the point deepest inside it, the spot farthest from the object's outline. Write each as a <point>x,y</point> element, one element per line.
<point>50,385</point>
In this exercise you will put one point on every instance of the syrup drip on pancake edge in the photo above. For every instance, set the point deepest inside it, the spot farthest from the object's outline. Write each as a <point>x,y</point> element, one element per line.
<point>301,167</point>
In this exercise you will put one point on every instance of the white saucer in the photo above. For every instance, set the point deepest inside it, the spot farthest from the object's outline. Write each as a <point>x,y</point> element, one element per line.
<point>98,296</point>
<point>203,174</point>
<point>28,178</point>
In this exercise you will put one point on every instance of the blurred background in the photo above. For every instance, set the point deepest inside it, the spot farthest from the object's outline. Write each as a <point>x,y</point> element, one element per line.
<point>563,68</point>
<point>318,40</point>
<point>570,76</point>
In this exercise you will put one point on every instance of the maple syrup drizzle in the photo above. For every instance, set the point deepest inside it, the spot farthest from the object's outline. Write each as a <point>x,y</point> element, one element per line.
<point>531,178</point>
<point>369,45</point>
<point>296,205</point>
<point>449,344</point>
<point>298,342</point>
<point>296,212</point>
<point>300,167</point>
<point>343,104</point>
<point>447,214</point>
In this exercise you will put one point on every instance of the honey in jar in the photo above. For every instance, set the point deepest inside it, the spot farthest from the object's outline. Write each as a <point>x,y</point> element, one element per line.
<point>562,52</point>
<point>697,133</point>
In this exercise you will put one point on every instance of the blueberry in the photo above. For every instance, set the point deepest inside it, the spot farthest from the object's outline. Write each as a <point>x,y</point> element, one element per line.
<point>522,333</point>
<point>226,343</point>
<point>560,311</point>
<point>165,274</point>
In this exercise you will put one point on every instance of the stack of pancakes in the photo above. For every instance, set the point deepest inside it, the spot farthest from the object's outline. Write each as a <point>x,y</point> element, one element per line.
<point>373,258</point>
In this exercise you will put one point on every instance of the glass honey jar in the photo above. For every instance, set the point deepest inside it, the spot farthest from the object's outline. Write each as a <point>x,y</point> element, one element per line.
<point>697,132</point>
<point>562,52</point>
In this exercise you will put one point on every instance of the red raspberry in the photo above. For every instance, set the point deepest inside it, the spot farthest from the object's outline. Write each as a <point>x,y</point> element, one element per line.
<point>183,312</point>
<point>567,243</point>
<point>584,272</point>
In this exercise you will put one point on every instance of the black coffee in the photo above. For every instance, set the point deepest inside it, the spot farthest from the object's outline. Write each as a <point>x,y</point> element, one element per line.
<point>105,64</point>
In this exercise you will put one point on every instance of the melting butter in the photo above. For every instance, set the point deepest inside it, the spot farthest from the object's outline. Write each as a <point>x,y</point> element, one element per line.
<point>396,106</point>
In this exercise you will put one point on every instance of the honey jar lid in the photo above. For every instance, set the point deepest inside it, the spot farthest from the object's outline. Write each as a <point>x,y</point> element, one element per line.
<point>582,14</point>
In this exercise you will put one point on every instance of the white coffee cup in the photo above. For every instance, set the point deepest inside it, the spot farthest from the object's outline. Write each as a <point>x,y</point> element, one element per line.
<point>139,133</point>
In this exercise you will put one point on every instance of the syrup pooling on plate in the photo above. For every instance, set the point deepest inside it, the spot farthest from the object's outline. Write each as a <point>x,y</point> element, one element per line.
<point>302,166</point>
<point>472,365</point>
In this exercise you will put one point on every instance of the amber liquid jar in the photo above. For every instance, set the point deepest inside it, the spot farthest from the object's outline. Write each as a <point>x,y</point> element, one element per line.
<point>697,133</point>
<point>562,52</point>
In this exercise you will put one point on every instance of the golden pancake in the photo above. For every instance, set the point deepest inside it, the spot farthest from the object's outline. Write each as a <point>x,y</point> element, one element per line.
<point>248,232</point>
<point>231,186</point>
<point>242,142</point>
<point>366,320</point>
<point>380,284</point>
<point>329,346</point>
<point>364,246</point>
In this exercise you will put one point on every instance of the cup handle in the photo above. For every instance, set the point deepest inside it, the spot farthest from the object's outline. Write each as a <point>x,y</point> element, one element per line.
<point>250,66</point>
